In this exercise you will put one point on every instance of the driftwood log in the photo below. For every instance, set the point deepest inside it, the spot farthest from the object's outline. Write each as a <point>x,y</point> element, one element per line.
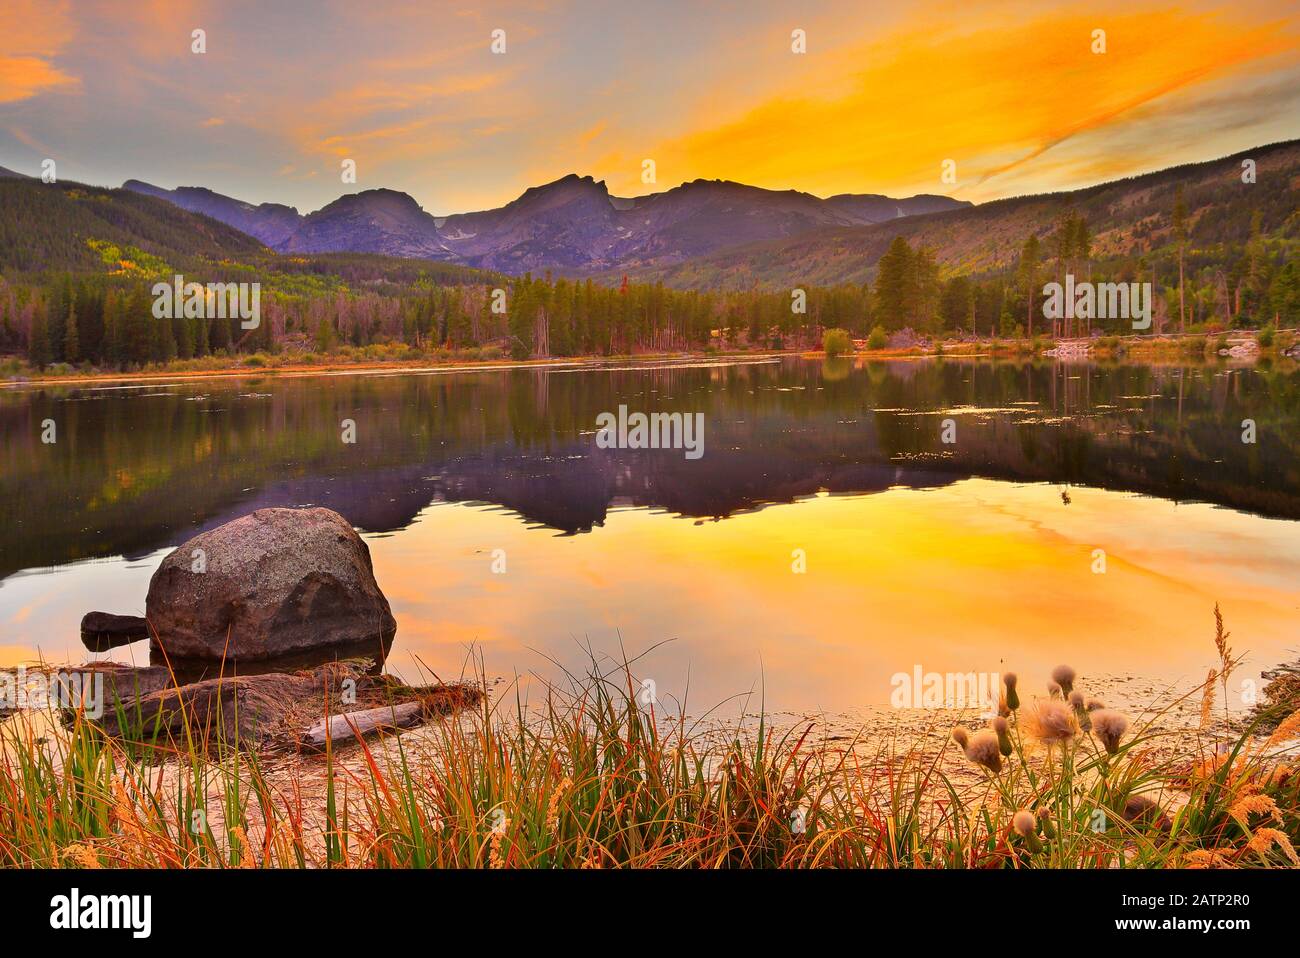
<point>349,725</point>
<point>272,710</point>
<point>101,631</point>
<point>252,710</point>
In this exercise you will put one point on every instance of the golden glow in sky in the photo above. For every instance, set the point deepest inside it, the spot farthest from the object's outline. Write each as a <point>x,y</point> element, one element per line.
<point>1013,92</point>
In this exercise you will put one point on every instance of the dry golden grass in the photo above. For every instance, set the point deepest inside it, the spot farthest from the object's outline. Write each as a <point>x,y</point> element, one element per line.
<point>594,780</point>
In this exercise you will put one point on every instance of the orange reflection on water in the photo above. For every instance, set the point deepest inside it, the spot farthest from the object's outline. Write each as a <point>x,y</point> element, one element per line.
<point>978,576</point>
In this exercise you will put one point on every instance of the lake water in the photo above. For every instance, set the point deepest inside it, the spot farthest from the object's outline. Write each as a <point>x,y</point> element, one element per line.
<point>826,539</point>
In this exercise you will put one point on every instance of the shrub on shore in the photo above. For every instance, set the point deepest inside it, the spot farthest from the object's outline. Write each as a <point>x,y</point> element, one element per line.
<point>837,342</point>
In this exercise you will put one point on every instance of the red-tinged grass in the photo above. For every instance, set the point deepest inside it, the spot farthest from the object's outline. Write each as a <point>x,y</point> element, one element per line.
<point>595,779</point>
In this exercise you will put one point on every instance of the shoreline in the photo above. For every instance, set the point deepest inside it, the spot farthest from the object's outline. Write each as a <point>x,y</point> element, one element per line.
<point>1142,348</point>
<point>369,366</point>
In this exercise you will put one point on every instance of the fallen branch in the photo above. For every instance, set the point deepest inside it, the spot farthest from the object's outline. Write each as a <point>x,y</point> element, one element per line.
<point>350,725</point>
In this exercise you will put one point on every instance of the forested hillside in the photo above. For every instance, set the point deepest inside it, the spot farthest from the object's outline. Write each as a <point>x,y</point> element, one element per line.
<point>77,265</point>
<point>46,225</point>
<point>1128,218</point>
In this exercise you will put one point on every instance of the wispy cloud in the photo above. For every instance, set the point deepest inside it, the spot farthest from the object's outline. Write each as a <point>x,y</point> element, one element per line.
<point>34,33</point>
<point>1010,90</point>
<point>991,96</point>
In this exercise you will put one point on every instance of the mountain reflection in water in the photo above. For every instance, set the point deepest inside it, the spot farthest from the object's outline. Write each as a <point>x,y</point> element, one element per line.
<point>138,470</point>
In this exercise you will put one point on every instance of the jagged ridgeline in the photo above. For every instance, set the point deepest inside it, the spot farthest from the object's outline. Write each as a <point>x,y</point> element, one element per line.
<point>80,265</point>
<point>1129,220</point>
<point>94,254</point>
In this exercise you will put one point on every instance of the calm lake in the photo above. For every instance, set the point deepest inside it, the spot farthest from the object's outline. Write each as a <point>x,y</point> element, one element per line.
<point>826,539</point>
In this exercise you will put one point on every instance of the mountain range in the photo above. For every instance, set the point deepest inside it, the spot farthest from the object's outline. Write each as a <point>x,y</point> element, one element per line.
<point>705,234</point>
<point>1126,217</point>
<point>572,225</point>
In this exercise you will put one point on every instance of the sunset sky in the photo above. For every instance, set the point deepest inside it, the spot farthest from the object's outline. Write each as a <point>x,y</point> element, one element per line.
<point>1011,91</point>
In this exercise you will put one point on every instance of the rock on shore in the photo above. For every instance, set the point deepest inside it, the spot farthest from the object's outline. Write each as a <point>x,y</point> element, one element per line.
<point>271,583</point>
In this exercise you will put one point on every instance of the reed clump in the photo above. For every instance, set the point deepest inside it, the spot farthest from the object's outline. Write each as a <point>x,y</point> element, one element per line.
<point>595,778</point>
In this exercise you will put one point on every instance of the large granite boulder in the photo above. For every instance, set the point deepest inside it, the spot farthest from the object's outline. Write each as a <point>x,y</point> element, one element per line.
<point>272,583</point>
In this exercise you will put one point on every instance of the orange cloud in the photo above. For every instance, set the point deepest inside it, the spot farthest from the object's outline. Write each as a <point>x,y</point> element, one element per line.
<point>1009,90</point>
<point>33,34</point>
<point>24,77</point>
<point>991,97</point>
<point>397,135</point>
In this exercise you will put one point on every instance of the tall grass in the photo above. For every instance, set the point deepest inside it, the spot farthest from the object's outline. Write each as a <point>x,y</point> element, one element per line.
<point>595,778</point>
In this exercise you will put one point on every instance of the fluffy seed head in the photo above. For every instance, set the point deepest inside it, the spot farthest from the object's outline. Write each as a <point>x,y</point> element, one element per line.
<point>961,737</point>
<point>983,750</point>
<point>1024,823</point>
<point>1094,704</point>
<point>1011,698</point>
<point>1002,728</point>
<point>1109,726</point>
<point>1064,676</point>
<point>1051,722</point>
<point>1045,820</point>
<point>1081,713</point>
<point>1053,690</point>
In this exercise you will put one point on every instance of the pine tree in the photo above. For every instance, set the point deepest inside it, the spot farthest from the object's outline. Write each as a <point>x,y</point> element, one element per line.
<point>1083,252</point>
<point>925,289</point>
<point>895,284</point>
<point>1065,250</point>
<point>183,332</point>
<point>163,347</point>
<point>136,333</point>
<point>219,334</point>
<point>1030,257</point>
<point>110,348</point>
<point>326,339</point>
<point>1180,237</point>
<point>521,316</point>
<point>460,332</point>
<point>38,340</point>
<point>955,306</point>
<point>1284,294</point>
<point>71,338</point>
<point>202,332</point>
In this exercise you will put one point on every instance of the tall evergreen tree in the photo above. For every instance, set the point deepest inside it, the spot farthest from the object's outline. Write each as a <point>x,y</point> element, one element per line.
<point>896,284</point>
<point>957,306</point>
<point>71,339</point>
<point>38,339</point>
<point>1180,237</point>
<point>1027,273</point>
